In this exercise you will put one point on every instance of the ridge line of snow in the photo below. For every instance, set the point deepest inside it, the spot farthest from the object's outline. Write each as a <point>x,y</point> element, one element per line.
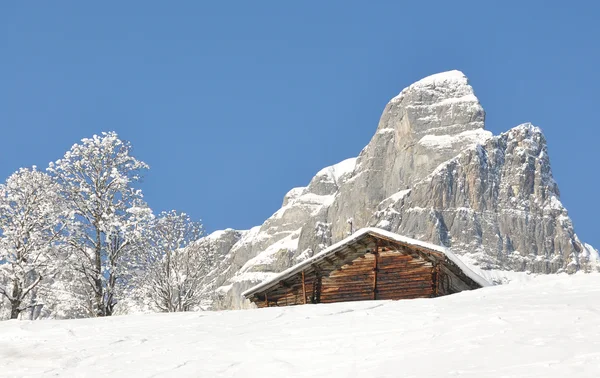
<point>336,171</point>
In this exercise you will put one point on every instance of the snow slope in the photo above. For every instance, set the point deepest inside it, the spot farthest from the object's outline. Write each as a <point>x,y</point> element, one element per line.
<point>546,327</point>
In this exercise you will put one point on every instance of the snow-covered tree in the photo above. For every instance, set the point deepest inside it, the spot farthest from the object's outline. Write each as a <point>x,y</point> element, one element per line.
<point>109,215</point>
<point>175,266</point>
<point>31,222</point>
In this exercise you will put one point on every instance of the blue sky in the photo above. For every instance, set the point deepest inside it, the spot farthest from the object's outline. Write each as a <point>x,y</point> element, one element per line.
<point>234,103</point>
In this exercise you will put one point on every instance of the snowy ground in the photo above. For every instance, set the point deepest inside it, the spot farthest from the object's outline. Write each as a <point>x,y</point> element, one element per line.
<point>547,327</point>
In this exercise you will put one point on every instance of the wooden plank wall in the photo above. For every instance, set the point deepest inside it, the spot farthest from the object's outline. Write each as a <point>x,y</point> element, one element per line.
<point>292,295</point>
<point>352,282</point>
<point>403,277</point>
<point>399,276</point>
<point>396,275</point>
<point>449,283</point>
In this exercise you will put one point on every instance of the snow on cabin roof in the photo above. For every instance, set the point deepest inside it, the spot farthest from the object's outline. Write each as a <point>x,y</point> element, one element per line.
<point>357,235</point>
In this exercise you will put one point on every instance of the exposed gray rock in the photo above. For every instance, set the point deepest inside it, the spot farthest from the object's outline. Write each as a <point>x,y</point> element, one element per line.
<point>424,126</point>
<point>495,204</point>
<point>430,172</point>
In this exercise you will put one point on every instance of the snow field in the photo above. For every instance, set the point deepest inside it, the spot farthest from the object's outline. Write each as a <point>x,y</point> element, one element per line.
<point>546,327</point>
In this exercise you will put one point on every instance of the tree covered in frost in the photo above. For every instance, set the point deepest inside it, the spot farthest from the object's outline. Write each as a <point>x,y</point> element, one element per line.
<point>174,266</point>
<point>31,222</point>
<point>78,240</point>
<point>108,215</point>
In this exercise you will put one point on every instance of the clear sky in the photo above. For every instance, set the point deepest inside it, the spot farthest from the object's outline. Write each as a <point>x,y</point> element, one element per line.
<point>234,103</point>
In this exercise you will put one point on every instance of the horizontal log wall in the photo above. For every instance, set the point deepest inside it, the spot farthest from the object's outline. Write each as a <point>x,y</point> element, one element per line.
<point>352,282</point>
<point>289,296</point>
<point>399,276</point>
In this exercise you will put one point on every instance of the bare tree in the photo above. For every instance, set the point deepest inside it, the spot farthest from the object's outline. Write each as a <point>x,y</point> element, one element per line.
<point>175,266</point>
<point>31,220</point>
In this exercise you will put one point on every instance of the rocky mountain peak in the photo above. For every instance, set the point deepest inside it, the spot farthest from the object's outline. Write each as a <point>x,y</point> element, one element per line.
<point>438,105</point>
<point>439,87</point>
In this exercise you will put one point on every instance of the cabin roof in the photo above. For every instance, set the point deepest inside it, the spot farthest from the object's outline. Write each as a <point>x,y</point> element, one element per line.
<point>375,232</point>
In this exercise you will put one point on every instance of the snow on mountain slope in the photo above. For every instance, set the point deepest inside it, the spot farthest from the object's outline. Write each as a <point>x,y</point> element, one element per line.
<point>547,327</point>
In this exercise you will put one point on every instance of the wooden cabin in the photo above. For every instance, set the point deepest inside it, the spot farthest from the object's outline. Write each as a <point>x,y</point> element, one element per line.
<point>371,264</point>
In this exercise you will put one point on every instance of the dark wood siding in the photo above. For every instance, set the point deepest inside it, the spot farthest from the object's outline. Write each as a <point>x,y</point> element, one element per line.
<point>352,282</point>
<point>403,277</point>
<point>398,277</point>
<point>449,282</point>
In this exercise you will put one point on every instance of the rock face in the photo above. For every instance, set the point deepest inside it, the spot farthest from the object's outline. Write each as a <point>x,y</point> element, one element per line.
<point>430,172</point>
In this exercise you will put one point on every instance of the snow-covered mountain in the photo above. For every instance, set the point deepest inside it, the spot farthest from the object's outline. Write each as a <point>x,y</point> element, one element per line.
<point>430,172</point>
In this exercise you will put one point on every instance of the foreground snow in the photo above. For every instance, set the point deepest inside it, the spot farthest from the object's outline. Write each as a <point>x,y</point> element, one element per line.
<point>547,327</point>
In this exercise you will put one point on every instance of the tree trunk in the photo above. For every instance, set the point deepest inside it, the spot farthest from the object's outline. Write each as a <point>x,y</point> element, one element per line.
<point>14,310</point>
<point>170,307</point>
<point>109,305</point>
<point>98,275</point>
<point>15,302</point>
<point>109,299</point>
